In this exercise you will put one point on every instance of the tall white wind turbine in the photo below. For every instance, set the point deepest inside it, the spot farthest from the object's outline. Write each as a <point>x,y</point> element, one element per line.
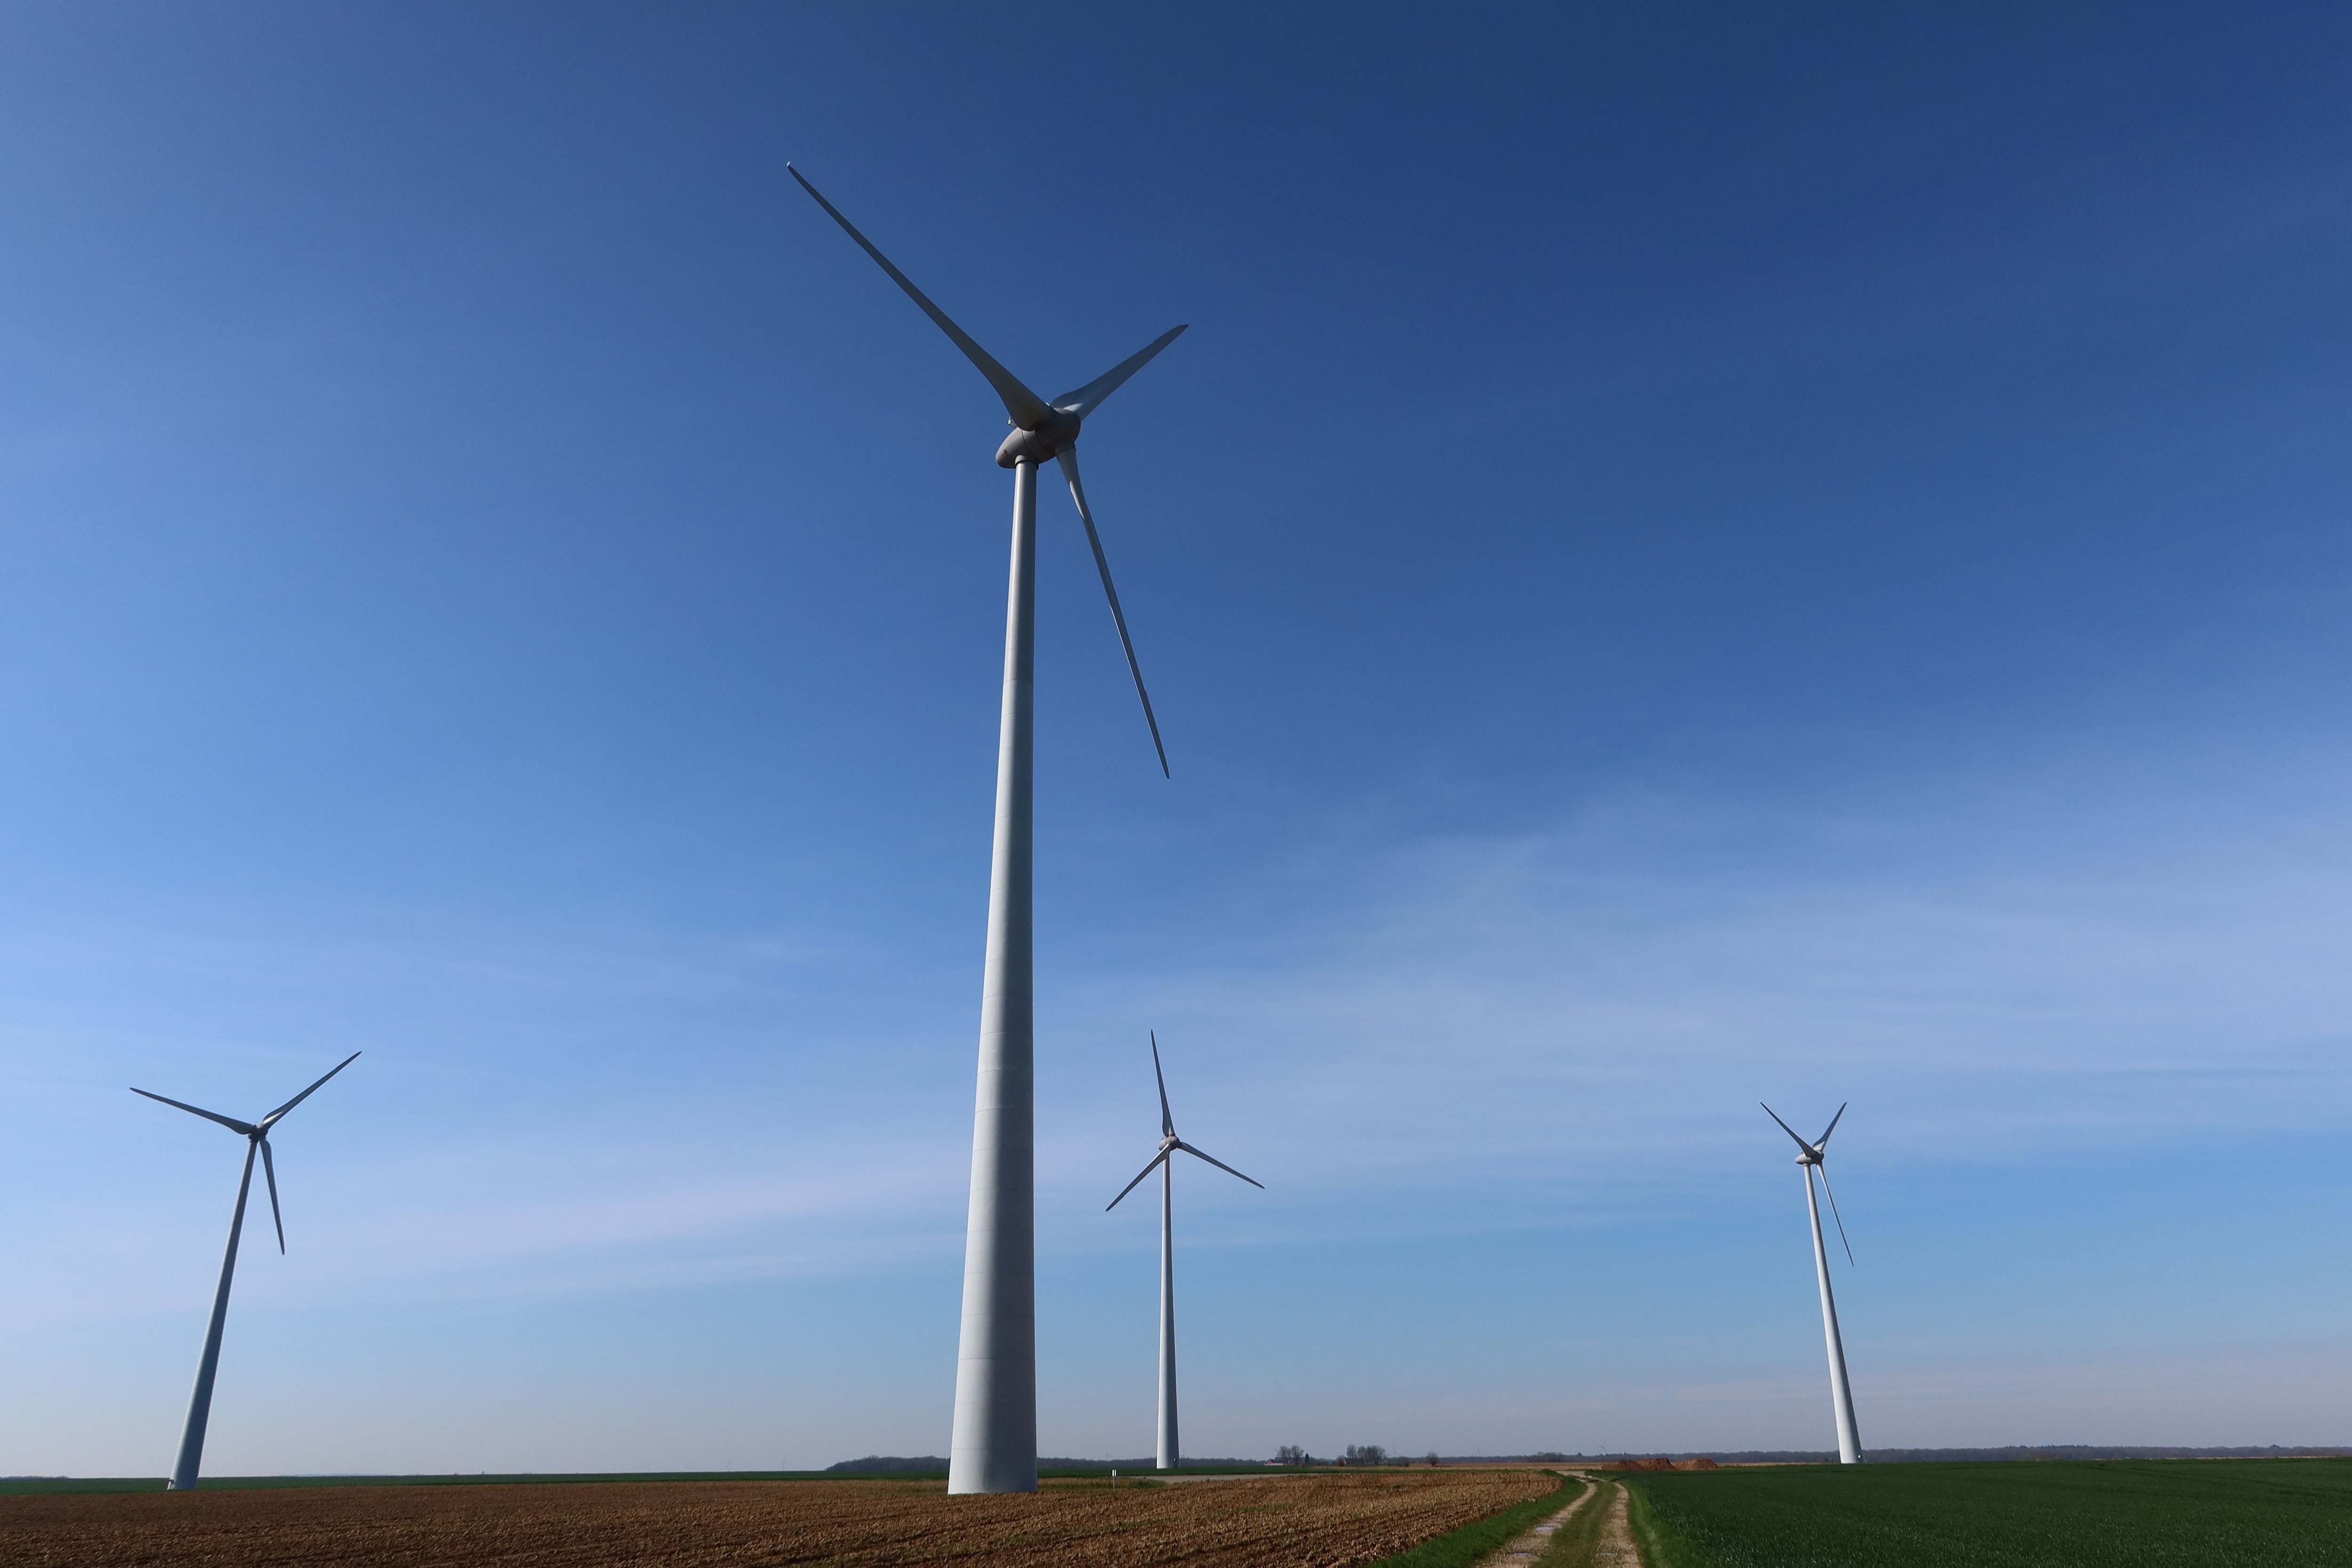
<point>1166,1161</point>
<point>257,1136</point>
<point>993,1448</point>
<point>1810,1157</point>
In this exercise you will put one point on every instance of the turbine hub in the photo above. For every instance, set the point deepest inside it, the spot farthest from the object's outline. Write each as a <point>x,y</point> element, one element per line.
<point>1039,445</point>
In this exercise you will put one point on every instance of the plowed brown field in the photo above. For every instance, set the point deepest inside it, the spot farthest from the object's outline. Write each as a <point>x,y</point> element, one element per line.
<point>1305,1522</point>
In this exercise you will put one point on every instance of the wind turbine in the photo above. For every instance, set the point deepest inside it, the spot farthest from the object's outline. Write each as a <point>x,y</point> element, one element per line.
<point>993,1448</point>
<point>1810,1157</point>
<point>1166,1160</point>
<point>257,1136</point>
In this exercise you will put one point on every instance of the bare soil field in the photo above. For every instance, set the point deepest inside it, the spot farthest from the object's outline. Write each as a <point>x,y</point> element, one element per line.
<point>1302,1521</point>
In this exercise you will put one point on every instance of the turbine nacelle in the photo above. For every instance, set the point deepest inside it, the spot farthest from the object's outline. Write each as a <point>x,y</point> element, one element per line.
<point>1054,435</point>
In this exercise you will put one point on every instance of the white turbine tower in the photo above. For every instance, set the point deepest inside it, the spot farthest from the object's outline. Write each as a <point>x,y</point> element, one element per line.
<point>257,1136</point>
<point>1165,1159</point>
<point>993,1448</point>
<point>1810,1158</point>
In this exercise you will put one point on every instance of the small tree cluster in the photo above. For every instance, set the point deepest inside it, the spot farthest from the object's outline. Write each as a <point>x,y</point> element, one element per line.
<point>1292,1454</point>
<point>1367,1454</point>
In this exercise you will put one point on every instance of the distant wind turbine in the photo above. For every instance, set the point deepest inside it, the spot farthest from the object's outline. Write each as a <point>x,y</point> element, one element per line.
<point>1165,1159</point>
<point>1810,1157</point>
<point>257,1136</point>
<point>994,1447</point>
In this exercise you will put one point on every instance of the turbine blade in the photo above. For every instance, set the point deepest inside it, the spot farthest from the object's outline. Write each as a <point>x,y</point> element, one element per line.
<point>1220,1164</point>
<point>1830,1127</point>
<point>1791,1131</point>
<point>230,1122</point>
<point>1167,1123</point>
<point>1086,399</point>
<point>271,1120</point>
<point>1026,408</point>
<point>1139,1176</point>
<point>1834,1214</point>
<point>1069,460</point>
<point>270,1170</point>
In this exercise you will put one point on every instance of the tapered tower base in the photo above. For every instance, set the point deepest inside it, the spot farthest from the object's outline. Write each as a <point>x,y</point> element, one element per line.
<point>994,1447</point>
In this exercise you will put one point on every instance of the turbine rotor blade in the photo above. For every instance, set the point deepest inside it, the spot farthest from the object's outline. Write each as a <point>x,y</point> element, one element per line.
<point>1026,409</point>
<point>1835,1215</point>
<point>1068,458</point>
<point>271,1120</point>
<point>1086,399</point>
<point>1167,1123</point>
<point>1791,1131</point>
<point>270,1170</point>
<point>1830,1127</point>
<point>1220,1164</point>
<point>228,1122</point>
<point>1147,1169</point>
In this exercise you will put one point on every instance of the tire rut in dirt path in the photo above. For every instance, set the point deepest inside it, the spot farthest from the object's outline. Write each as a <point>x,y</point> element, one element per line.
<point>1522,1551</point>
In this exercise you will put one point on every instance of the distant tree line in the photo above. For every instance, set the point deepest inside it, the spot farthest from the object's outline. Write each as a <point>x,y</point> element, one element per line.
<point>1358,1454</point>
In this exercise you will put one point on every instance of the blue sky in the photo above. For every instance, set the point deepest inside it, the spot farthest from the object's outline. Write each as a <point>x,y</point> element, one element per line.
<point>1688,556</point>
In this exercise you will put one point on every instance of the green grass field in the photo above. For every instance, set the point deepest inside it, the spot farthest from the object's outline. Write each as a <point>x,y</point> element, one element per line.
<point>2274,1513</point>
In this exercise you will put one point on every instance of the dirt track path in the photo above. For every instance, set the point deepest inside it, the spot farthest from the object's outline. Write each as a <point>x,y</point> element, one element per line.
<point>1524,1550</point>
<point>1592,1533</point>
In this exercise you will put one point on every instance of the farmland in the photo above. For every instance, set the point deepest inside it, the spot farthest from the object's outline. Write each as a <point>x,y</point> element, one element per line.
<point>2274,1513</point>
<point>1328,1520</point>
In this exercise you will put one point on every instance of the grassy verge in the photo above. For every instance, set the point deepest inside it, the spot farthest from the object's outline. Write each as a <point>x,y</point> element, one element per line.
<point>1460,1548</point>
<point>2216,1513</point>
